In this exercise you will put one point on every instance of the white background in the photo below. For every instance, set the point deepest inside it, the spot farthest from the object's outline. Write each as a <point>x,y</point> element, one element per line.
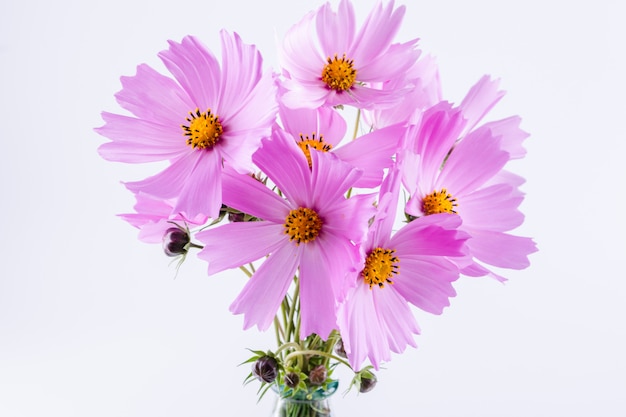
<point>93,322</point>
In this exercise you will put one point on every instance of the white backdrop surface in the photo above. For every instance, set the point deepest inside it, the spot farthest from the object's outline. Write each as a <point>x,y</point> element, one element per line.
<point>94,322</point>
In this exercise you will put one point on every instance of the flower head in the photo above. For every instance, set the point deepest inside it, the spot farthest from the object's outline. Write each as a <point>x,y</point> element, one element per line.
<point>459,170</point>
<point>327,62</point>
<point>313,229</point>
<point>408,267</point>
<point>204,118</point>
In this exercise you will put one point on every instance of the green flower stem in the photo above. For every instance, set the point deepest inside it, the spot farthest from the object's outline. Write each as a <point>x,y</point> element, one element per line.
<point>245,271</point>
<point>302,353</point>
<point>356,124</point>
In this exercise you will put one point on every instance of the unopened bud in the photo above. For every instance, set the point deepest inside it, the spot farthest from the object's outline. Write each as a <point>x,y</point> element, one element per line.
<point>292,379</point>
<point>265,369</point>
<point>175,241</point>
<point>368,382</point>
<point>318,375</point>
<point>340,350</point>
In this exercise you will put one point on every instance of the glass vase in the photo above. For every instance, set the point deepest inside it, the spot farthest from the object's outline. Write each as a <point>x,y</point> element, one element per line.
<point>314,403</point>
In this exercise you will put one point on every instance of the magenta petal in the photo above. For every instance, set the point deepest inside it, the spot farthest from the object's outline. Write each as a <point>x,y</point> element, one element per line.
<point>168,183</point>
<point>263,293</point>
<point>330,178</point>
<point>377,32</point>
<point>362,333</point>
<point>493,208</point>
<point>435,235</point>
<point>253,241</point>
<point>252,197</point>
<point>372,153</point>
<point>335,30</point>
<point>510,134</point>
<point>479,100</point>
<point>317,298</point>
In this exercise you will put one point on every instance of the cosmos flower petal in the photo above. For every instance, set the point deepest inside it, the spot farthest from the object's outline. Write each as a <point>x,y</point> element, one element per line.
<point>501,249</point>
<point>435,235</point>
<point>136,140</point>
<point>479,100</point>
<point>493,208</point>
<point>291,175</point>
<point>323,121</point>
<point>330,177</point>
<point>317,298</point>
<point>253,241</point>
<point>362,341</point>
<point>476,159</point>
<point>396,317</point>
<point>196,69</point>
<point>336,30</point>
<point>372,153</point>
<point>426,282</point>
<point>202,195</point>
<point>167,183</point>
<point>263,293</point>
<point>510,134</point>
<point>154,97</point>
<point>377,32</point>
<point>250,196</point>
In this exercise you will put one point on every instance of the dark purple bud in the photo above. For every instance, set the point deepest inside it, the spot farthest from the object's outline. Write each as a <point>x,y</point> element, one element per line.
<point>292,379</point>
<point>339,349</point>
<point>318,375</point>
<point>265,369</point>
<point>236,217</point>
<point>175,241</point>
<point>368,382</point>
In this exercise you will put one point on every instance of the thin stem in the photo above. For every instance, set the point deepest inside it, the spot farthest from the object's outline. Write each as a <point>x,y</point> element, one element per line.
<point>356,124</point>
<point>301,353</point>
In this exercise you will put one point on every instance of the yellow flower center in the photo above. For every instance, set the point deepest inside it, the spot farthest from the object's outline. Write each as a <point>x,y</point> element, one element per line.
<point>204,129</point>
<point>439,202</point>
<point>306,144</point>
<point>303,225</point>
<point>339,74</point>
<point>380,266</point>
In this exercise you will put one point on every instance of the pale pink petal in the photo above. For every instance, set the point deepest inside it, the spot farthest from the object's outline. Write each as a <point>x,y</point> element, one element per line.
<point>136,141</point>
<point>201,193</point>
<point>154,97</point>
<point>479,100</point>
<point>474,160</point>
<point>492,208</point>
<point>501,249</point>
<point>317,298</point>
<point>252,240</point>
<point>396,317</point>
<point>511,136</point>
<point>330,178</point>
<point>376,33</point>
<point>335,30</point>
<point>250,196</point>
<point>196,70</point>
<point>362,333</point>
<point>435,235</point>
<point>263,293</point>
<point>372,153</point>
<point>285,164</point>
<point>426,282</point>
<point>168,183</point>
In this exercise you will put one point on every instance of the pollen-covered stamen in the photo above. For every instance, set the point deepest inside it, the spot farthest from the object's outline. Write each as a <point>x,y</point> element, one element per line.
<point>303,225</point>
<point>307,143</point>
<point>204,129</point>
<point>380,266</point>
<point>439,202</point>
<point>339,73</point>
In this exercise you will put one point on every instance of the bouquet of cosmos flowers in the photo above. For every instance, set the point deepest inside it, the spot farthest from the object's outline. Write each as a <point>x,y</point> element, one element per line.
<point>341,231</point>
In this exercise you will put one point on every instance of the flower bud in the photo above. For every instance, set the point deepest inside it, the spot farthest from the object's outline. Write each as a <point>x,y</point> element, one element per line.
<point>339,349</point>
<point>265,369</point>
<point>175,241</point>
<point>368,382</point>
<point>317,375</point>
<point>236,217</point>
<point>292,379</point>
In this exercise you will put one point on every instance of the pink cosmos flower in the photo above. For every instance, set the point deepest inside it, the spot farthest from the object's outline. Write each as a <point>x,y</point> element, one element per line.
<point>153,217</point>
<point>314,229</point>
<point>205,118</point>
<point>408,267</point>
<point>323,129</point>
<point>327,62</point>
<point>465,176</point>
